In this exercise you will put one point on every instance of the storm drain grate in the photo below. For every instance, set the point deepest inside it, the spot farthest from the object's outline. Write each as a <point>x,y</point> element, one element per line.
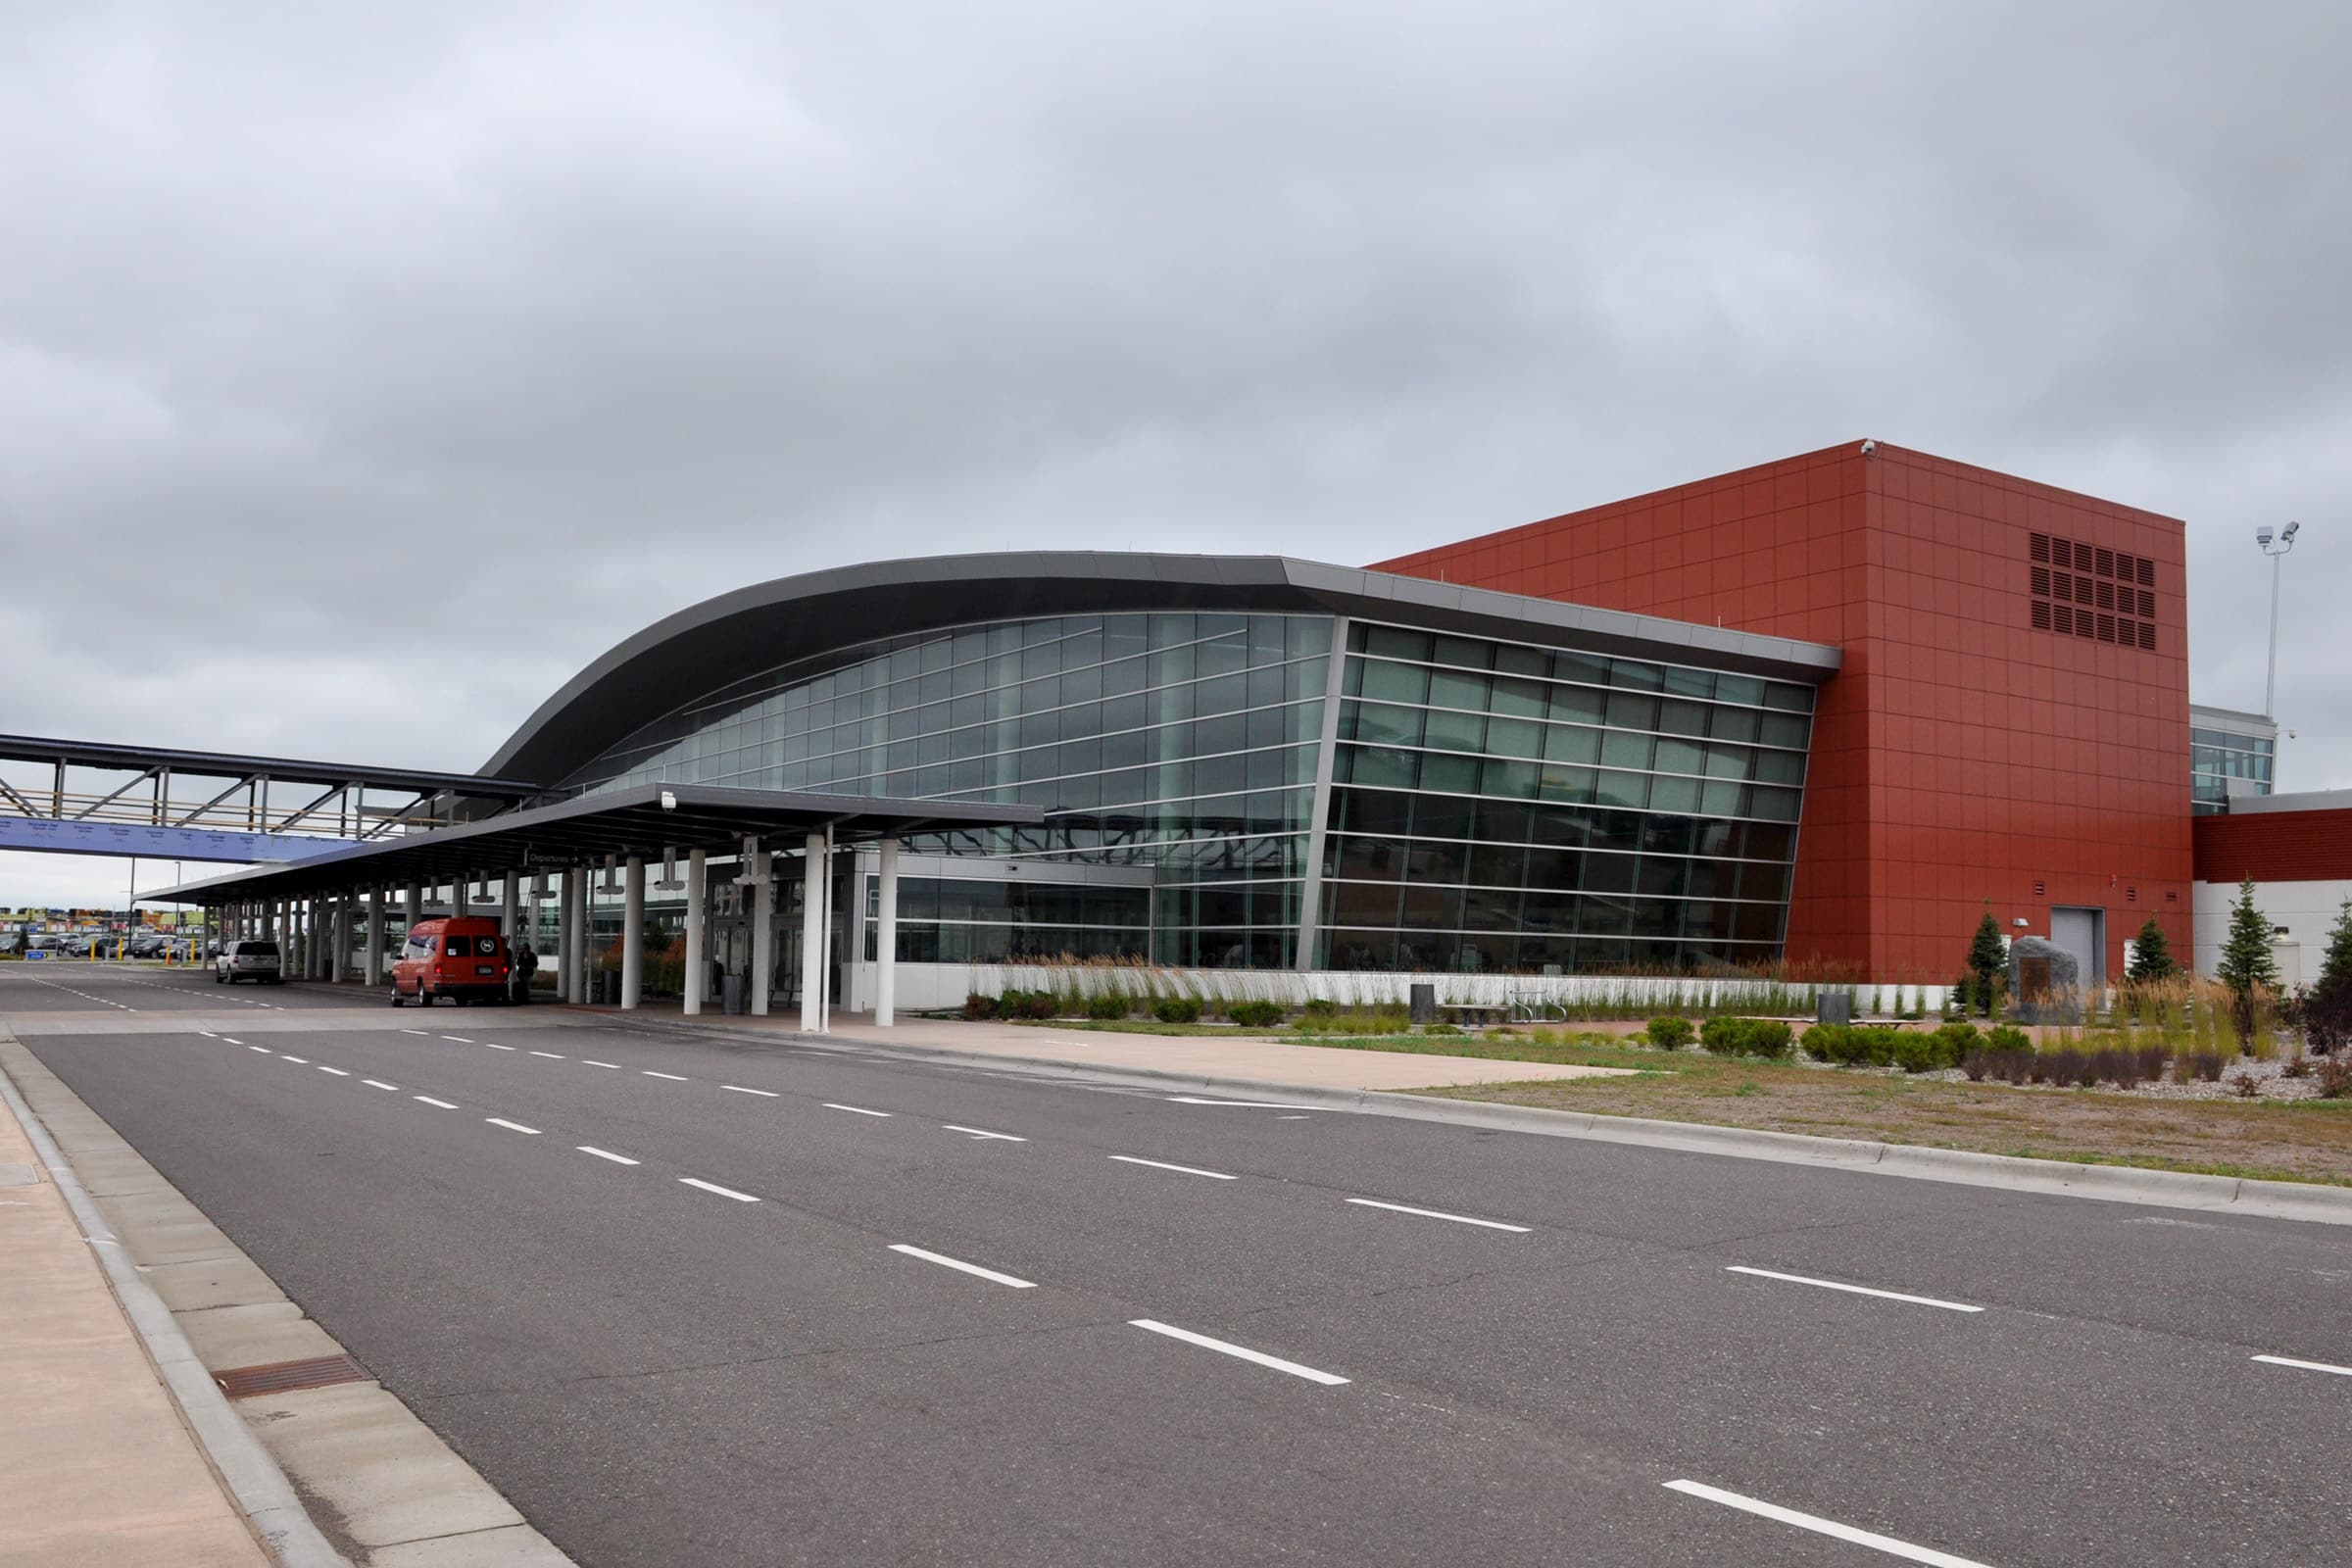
<point>280,1377</point>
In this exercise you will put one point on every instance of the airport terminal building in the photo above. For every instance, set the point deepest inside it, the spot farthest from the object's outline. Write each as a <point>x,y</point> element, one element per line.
<point>1825,711</point>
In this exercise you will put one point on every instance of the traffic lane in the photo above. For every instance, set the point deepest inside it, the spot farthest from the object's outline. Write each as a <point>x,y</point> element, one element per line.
<point>360,1202</point>
<point>2166,1271</point>
<point>42,993</point>
<point>2011,1390</point>
<point>709,1361</point>
<point>197,988</point>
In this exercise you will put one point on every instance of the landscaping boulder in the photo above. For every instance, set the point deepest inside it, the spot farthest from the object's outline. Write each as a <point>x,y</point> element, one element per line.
<point>2045,983</point>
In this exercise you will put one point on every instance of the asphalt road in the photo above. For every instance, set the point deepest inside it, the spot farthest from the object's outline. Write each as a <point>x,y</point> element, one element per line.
<point>646,1282</point>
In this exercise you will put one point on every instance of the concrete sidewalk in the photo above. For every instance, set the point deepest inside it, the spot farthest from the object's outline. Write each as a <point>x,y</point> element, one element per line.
<point>95,1463</point>
<point>1243,1057</point>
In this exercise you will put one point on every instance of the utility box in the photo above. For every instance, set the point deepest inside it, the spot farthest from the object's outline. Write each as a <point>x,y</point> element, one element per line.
<point>1834,1006</point>
<point>730,996</point>
<point>1425,1002</point>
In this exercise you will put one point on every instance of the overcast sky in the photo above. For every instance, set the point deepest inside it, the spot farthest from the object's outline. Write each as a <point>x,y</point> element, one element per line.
<point>366,371</point>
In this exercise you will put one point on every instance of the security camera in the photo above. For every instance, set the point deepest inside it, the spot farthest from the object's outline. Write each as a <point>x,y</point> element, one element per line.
<point>2288,537</point>
<point>2263,536</point>
<point>1870,448</point>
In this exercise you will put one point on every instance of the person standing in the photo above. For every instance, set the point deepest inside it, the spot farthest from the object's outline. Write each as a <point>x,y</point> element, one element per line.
<point>524,964</point>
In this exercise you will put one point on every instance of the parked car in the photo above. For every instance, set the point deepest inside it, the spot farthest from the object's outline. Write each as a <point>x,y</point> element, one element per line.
<point>247,960</point>
<point>462,957</point>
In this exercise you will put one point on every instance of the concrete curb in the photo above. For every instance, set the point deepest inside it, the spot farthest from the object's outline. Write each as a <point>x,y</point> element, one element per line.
<point>253,1478</point>
<point>2119,1183</point>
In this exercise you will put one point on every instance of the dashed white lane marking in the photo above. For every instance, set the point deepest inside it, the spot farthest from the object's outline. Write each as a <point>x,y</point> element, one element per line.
<point>1853,1290</point>
<point>459,1039</point>
<point>1825,1527</point>
<point>337,1071</point>
<point>1327,1379</point>
<point>421,1034</point>
<point>859,1110</point>
<point>968,1268</point>
<point>723,1192</point>
<point>512,1126</point>
<point>225,1040</point>
<point>2304,1366</point>
<point>299,1061</point>
<point>431,1101</point>
<point>1291,1118</point>
<point>379,1083</point>
<point>605,1153</point>
<point>676,1078</point>
<point>1239,1105</point>
<point>1435,1213</point>
<point>552,1055</point>
<point>980,1132</point>
<point>766,1094</point>
<point>263,1049</point>
<point>588,1063</point>
<point>1160,1164</point>
<point>487,1043</point>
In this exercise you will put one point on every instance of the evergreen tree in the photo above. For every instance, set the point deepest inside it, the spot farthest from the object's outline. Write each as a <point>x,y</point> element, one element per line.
<point>2327,1012</point>
<point>2247,966</point>
<point>1986,959</point>
<point>2151,956</point>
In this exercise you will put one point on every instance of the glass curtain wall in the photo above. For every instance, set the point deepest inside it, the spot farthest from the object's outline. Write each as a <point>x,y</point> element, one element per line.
<point>1502,807</point>
<point>2216,756</point>
<point>1184,741</point>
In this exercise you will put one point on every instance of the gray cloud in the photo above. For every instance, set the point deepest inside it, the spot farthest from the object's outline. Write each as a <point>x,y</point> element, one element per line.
<point>331,335</point>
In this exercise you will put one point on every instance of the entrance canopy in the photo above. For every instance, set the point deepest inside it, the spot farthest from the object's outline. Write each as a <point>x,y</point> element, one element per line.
<point>642,822</point>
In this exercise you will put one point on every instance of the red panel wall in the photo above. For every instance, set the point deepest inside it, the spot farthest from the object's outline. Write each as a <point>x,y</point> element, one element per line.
<point>1960,756</point>
<point>2275,847</point>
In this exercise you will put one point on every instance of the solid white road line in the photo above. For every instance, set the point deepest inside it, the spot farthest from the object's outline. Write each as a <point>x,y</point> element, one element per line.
<point>337,1071</point>
<point>768,1094</point>
<point>980,1132</point>
<point>857,1110</point>
<point>516,1126</point>
<point>723,1192</point>
<point>1242,1105</point>
<point>676,1078</point>
<point>1853,1290</point>
<point>552,1055</point>
<point>377,1083</point>
<point>1327,1379</point>
<point>1161,1164</point>
<point>299,1061</point>
<point>589,1062</point>
<point>2304,1366</point>
<point>605,1153</point>
<point>1432,1214</point>
<point>431,1101</point>
<point>494,1047</point>
<point>1826,1527</point>
<point>968,1268</point>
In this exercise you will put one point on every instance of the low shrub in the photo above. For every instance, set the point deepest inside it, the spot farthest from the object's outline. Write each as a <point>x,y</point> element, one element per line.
<point>2335,1077</point>
<point>1956,1039</point>
<point>2244,1085</point>
<point>2198,1066</point>
<point>1028,1005</point>
<point>1670,1034</point>
<point>1386,1018</point>
<point>2008,1037</point>
<point>1443,1029</point>
<point>1177,1009</point>
<point>978,1004</point>
<point>1745,1037</point>
<point>1255,1014</point>
<point>2298,1066</point>
<point>1854,1045</point>
<point>2068,1068</point>
<point>1917,1052</point>
<point>1977,1065</point>
<point>1320,1008</point>
<point>1110,1005</point>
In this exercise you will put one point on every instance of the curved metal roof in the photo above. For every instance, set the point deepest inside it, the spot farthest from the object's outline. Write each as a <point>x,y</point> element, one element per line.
<point>720,641</point>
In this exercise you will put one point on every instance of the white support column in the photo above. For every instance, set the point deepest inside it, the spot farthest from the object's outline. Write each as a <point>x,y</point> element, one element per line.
<point>411,908</point>
<point>763,891</point>
<point>583,938</point>
<point>375,936</point>
<point>812,934</point>
<point>698,895</point>
<point>886,936</point>
<point>461,898</point>
<point>509,904</point>
<point>632,933</point>
<point>566,926</point>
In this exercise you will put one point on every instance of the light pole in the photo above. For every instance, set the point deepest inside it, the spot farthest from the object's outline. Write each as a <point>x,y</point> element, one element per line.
<point>2286,542</point>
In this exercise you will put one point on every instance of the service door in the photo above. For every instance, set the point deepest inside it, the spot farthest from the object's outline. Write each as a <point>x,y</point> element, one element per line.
<point>2083,933</point>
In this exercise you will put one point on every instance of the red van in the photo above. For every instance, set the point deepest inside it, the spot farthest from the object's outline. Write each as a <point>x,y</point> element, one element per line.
<point>462,957</point>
